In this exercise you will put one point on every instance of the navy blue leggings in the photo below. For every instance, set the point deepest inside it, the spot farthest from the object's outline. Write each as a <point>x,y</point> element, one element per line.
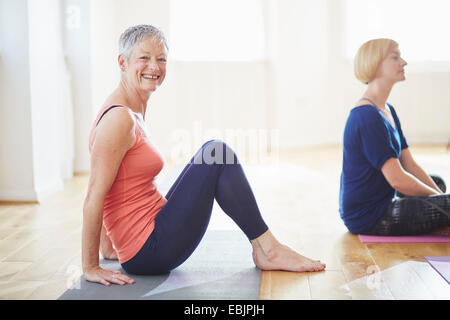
<point>213,173</point>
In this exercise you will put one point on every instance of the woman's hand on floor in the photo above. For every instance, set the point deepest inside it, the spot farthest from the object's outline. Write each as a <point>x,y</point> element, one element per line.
<point>106,277</point>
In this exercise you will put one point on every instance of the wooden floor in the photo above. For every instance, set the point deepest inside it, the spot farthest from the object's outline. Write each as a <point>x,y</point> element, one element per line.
<point>40,244</point>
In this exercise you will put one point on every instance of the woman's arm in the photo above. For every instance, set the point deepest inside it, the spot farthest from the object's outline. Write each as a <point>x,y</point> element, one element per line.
<point>404,182</point>
<point>410,165</point>
<point>114,136</point>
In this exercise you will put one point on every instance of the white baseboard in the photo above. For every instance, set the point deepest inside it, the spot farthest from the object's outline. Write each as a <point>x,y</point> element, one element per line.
<point>31,194</point>
<point>18,195</point>
<point>48,189</point>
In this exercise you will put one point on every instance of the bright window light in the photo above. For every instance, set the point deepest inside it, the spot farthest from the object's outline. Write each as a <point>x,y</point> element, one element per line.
<point>420,27</point>
<point>216,30</point>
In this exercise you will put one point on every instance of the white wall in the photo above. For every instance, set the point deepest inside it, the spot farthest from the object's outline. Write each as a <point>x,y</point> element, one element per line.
<point>77,45</point>
<point>103,42</point>
<point>316,87</point>
<point>302,104</point>
<point>32,100</point>
<point>304,88</point>
<point>208,100</point>
<point>46,86</point>
<point>423,104</point>
<point>16,164</point>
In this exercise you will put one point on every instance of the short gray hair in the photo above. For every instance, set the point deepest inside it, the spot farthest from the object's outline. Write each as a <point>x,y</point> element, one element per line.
<point>136,34</point>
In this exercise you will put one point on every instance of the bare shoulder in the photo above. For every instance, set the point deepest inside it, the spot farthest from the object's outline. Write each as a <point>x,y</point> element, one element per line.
<point>116,127</point>
<point>118,116</point>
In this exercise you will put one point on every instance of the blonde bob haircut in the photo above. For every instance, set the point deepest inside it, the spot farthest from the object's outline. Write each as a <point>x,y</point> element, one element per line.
<point>369,57</point>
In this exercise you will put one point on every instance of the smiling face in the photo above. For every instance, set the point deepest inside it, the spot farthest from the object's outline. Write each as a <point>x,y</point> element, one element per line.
<point>392,68</point>
<point>145,68</point>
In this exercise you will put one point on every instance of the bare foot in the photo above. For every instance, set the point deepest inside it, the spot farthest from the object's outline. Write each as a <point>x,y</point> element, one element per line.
<point>281,257</point>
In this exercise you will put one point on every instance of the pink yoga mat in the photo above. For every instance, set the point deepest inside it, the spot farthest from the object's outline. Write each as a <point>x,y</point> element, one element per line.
<point>404,239</point>
<point>441,265</point>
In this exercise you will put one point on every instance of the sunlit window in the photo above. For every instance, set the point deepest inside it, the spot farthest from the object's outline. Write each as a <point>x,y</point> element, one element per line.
<point>216,30</point>
<point>420,27</point>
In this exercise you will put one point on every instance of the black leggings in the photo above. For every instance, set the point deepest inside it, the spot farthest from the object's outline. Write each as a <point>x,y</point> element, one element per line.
<point>213,173</point>
<point>415,215</point>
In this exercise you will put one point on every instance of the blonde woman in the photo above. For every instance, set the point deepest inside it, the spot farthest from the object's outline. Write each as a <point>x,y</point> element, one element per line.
<point>383,190</point>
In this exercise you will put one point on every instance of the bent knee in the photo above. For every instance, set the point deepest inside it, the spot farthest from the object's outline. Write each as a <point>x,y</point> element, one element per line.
<point>218,152</point>
<point>215,143</point>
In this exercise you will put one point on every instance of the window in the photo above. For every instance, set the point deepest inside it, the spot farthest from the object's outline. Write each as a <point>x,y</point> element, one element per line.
<point>216,30</point>
<point>420,27</point>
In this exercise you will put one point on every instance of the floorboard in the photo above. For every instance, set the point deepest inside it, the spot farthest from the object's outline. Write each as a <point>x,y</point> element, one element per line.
<point>40,244</point>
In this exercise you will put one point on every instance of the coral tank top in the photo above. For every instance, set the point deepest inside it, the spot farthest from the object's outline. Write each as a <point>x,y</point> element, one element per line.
<point>133,202</point>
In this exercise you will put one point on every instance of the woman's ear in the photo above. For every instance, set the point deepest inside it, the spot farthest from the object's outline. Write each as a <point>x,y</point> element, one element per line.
<point>122,63</point>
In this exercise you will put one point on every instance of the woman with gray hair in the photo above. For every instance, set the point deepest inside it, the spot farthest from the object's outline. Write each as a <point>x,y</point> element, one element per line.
<point>124,214</point>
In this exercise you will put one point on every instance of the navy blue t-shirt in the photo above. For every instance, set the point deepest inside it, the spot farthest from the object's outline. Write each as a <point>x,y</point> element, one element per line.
<point>369,141</point>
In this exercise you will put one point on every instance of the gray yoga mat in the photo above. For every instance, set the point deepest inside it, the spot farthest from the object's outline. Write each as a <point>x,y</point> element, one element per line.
<point>220,268</point>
